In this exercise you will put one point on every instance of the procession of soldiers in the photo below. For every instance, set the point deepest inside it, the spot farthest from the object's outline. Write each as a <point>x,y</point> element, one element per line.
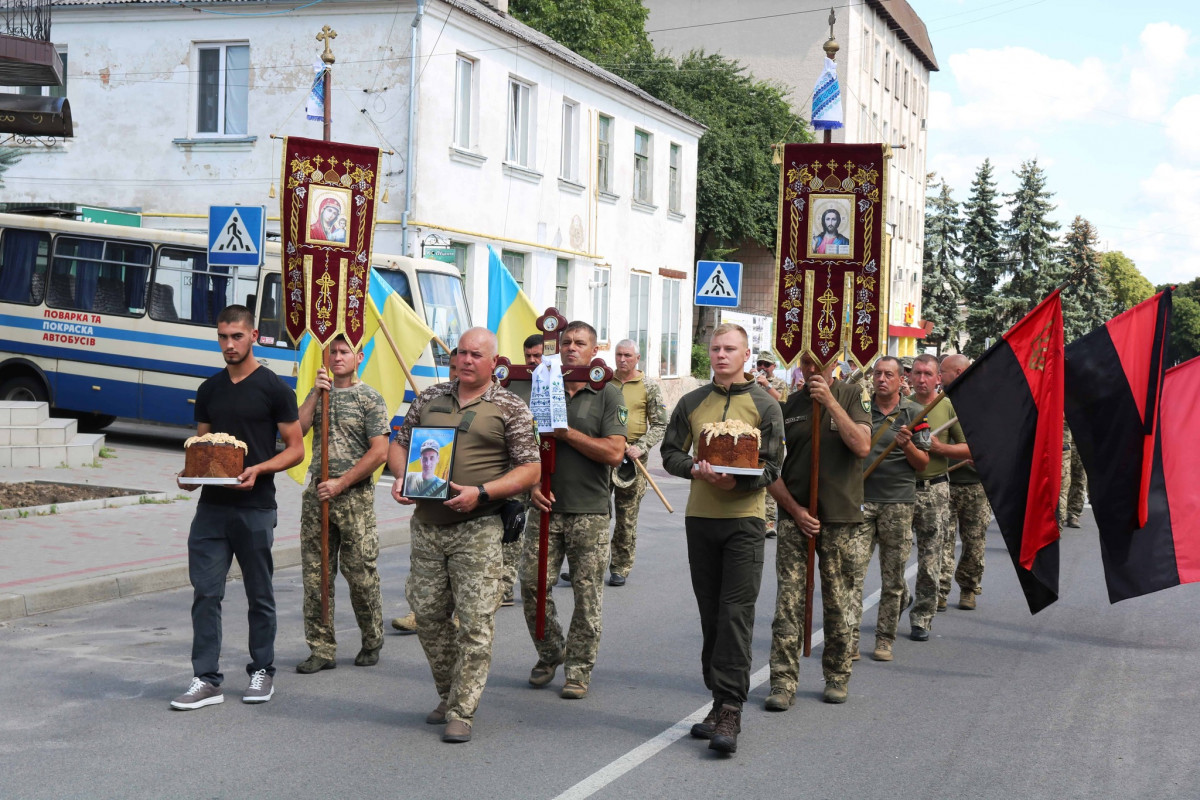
<point>894,471</point>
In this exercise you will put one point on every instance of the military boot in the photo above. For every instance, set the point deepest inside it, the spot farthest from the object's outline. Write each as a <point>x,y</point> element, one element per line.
<point>883,650</point>
<point>834,692</point>
<point>966,600</point>
<point>704,730</point>
<point>725,732</point>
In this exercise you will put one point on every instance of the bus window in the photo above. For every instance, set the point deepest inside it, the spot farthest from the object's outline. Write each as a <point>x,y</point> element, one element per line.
<point>24,262</point>
<point>445,305</point>
<point>98,276</point>
<point>398,281</point>
<point>271,331</point>
<point>187,289</point>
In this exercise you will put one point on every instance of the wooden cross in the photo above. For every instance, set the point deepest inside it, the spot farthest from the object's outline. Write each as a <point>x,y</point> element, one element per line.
<point>596,375</point>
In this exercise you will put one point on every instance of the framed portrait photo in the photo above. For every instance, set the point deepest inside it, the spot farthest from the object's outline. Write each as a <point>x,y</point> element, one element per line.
<point>328,216</point>
<point>831,226</point>
<point>430,458</point>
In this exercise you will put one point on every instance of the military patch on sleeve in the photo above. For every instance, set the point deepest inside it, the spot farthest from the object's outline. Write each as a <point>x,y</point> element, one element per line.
<point>866,399</point>
<point>622,414</point>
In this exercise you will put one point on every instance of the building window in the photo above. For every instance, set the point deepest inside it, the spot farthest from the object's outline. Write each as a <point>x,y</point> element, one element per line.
<point>570,141</point>
<point>900,232</point>
<point>866,51</point>
<point>887,70</point>
<point>668,365</point>
<point>885,133</point>
<point>922,101</point>
<point>864,120</point>
<point>914,94</point>
<point>223,89</point>
<point>639,310</point>
<point>562,272</point>
<point>50,91</point>
<point>874,128</point>
<point>464,103</point>
<point>599,288</point>
<point>674,200</point>
<point>906,82</point>
<point>603,151</point>
<point>897,81</point>
<point>641,167</point>
<point>515,264</point>
<point>520,123</point>
<point>878,60</point>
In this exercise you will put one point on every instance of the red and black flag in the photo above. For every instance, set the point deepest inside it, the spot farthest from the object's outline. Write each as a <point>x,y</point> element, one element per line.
<point>1133,448</point>
<point>1010,406</point>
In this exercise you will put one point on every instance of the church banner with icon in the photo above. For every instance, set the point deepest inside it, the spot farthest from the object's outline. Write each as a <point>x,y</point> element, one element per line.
<point>327,213</point>
<point>831,293</point>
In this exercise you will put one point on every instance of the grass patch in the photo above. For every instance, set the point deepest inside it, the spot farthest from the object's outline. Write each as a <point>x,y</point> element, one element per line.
<point>107,452</point>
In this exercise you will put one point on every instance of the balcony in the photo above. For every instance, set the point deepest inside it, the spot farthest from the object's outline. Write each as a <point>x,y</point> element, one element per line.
<point>27,56</point>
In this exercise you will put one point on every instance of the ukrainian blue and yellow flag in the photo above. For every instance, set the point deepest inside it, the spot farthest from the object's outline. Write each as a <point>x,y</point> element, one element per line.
<point>511,315</point>
<point>380,368</point>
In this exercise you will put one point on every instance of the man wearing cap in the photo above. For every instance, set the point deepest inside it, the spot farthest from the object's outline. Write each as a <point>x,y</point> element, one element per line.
<point>427,483</point>
<point>776,387</point>
<point>647,422</point>
<point>455,550</point>
<point>969,506</point>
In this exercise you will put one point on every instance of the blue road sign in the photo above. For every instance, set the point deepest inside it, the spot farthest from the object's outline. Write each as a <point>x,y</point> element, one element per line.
<point>236,235</point>
<point>718,283</point>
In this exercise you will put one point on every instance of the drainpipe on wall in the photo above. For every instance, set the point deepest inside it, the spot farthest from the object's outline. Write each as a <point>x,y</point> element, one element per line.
<point>412,126</point>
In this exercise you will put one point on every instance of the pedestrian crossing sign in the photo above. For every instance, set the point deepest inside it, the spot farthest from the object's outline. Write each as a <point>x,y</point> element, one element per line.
<point>236,235</point>
<point>718,283</point>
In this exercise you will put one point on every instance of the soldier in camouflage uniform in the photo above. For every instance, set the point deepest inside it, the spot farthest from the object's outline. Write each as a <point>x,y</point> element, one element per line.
<point>456,559</point>
<point>845,438</point>
<point>890,494</point>
<point>358,441</point>
<point>776,387</point>
<point>969,507</point>
<point>578,505</point>
<point>1074,483</point>
<point>647,422</point>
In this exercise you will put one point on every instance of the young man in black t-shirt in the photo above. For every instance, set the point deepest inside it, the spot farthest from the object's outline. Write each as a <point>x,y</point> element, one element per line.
<point>252,403</point>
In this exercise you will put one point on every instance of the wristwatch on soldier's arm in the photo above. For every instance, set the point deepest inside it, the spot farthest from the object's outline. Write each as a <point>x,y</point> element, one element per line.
<point>484,497</point>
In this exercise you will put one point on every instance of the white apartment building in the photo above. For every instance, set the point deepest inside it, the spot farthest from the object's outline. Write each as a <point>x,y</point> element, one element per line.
<point>884,62</point>
<point>582,182</point>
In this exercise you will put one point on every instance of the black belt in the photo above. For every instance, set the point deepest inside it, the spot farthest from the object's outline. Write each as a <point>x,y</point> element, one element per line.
<point>925,484</point>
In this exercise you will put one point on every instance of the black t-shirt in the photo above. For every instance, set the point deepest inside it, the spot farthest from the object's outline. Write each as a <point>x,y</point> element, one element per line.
<point>251,410</point>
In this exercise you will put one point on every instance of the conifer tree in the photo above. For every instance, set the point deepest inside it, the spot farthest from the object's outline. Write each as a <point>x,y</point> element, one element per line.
<point>942,289</point>
<point>1087,301</point>
<point>981,260</point>
<point>1030,246</point>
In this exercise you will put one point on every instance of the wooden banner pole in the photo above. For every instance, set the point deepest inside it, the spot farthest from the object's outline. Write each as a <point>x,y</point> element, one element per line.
<point>879,459</point>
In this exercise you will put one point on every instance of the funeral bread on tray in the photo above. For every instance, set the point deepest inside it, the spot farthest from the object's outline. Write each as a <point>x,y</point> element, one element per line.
<point>729,443</point>
<point>214,455</point>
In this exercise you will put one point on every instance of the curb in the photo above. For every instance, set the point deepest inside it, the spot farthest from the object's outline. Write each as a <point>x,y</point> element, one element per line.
<point>142,498</point>
<point>157,579</point>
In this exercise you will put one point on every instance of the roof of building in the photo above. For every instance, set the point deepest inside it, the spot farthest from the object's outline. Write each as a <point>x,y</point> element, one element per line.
<point>910,28</point>
<point>480,10</point>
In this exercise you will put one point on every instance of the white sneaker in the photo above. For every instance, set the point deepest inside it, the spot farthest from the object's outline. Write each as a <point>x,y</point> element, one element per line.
<point>198,695</point>
<point>261,688</point>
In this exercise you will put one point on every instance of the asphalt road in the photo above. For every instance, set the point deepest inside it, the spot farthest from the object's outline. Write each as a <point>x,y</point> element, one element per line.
<point>1085,700</point>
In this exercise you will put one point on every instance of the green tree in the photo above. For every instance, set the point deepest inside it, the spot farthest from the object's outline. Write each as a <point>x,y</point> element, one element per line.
<point>607,32</point>
<point>1030,247</point>
<point>1185,321</point>
<point>981,259</point>
<point>941,287</point>
<point>1087,301</point>
<point>1126,282</point>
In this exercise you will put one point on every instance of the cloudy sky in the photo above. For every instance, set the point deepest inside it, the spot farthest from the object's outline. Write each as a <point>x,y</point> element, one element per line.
<point>1106,96</point>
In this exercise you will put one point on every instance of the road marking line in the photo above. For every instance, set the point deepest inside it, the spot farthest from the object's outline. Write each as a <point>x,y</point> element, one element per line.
<point>648,749</point>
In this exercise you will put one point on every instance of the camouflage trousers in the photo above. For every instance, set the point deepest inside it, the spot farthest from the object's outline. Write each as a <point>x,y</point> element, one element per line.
<point>354,543</point>
<point>626,503</point>
<point>888,525</point>
<point>969,506</point>
<point>582,539</point>
<point>771,512</point>
<point>931,522</point>
<point>1074,486</point>
<point>511,557</point>
<point>456,568</point>
<point>842,557</point>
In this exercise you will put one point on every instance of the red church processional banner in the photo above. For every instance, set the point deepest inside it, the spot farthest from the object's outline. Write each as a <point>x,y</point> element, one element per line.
<point>327,213</point>
<point>831,293</point>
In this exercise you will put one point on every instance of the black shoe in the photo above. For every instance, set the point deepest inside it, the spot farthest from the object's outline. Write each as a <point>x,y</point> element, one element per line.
<point>725,733</point>
<point>704,730</point>
<point>315,664</point>
<point>566,577</point>
<point>367,657</point>
<point>919,634</point>
<point>616,580</point>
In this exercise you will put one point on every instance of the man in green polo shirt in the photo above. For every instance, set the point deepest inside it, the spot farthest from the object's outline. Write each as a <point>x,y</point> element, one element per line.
<point>588,448</point>
<point>845,439</point>
<point>931,515</point>
<point>724,525</point>
<point>455,558</point>
<point>969,506</point>
<point>889,494</point>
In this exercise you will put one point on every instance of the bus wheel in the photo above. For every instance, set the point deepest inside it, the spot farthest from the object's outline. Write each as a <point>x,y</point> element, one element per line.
<point>92,423</point>
<point>24,388</point>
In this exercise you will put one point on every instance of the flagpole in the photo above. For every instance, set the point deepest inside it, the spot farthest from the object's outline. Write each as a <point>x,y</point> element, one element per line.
<point>387,334</point>
<point>831,48</point>
<point>325,36</point>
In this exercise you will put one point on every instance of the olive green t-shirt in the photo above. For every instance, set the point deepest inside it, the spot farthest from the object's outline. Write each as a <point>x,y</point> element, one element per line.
<point>839,482</point>
<point>894,480</point>
<point>938,416</point>
<point>357,414</point>
<point>580,485</point>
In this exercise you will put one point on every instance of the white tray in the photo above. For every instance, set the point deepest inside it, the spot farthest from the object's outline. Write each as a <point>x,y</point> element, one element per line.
<point>208,481</point>
<point>737,470</point>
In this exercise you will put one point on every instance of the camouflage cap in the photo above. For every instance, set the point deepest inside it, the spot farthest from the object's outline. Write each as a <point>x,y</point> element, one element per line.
<point>907,362</point>
<point>431,444</point>
<point>766,355</point>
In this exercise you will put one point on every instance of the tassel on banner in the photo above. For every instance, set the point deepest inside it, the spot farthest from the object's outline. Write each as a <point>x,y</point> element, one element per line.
<point>272,192</point>
<point>385,194</point>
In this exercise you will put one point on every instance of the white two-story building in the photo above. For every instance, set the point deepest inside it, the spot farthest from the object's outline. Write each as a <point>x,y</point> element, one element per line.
<point>581,181</point>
